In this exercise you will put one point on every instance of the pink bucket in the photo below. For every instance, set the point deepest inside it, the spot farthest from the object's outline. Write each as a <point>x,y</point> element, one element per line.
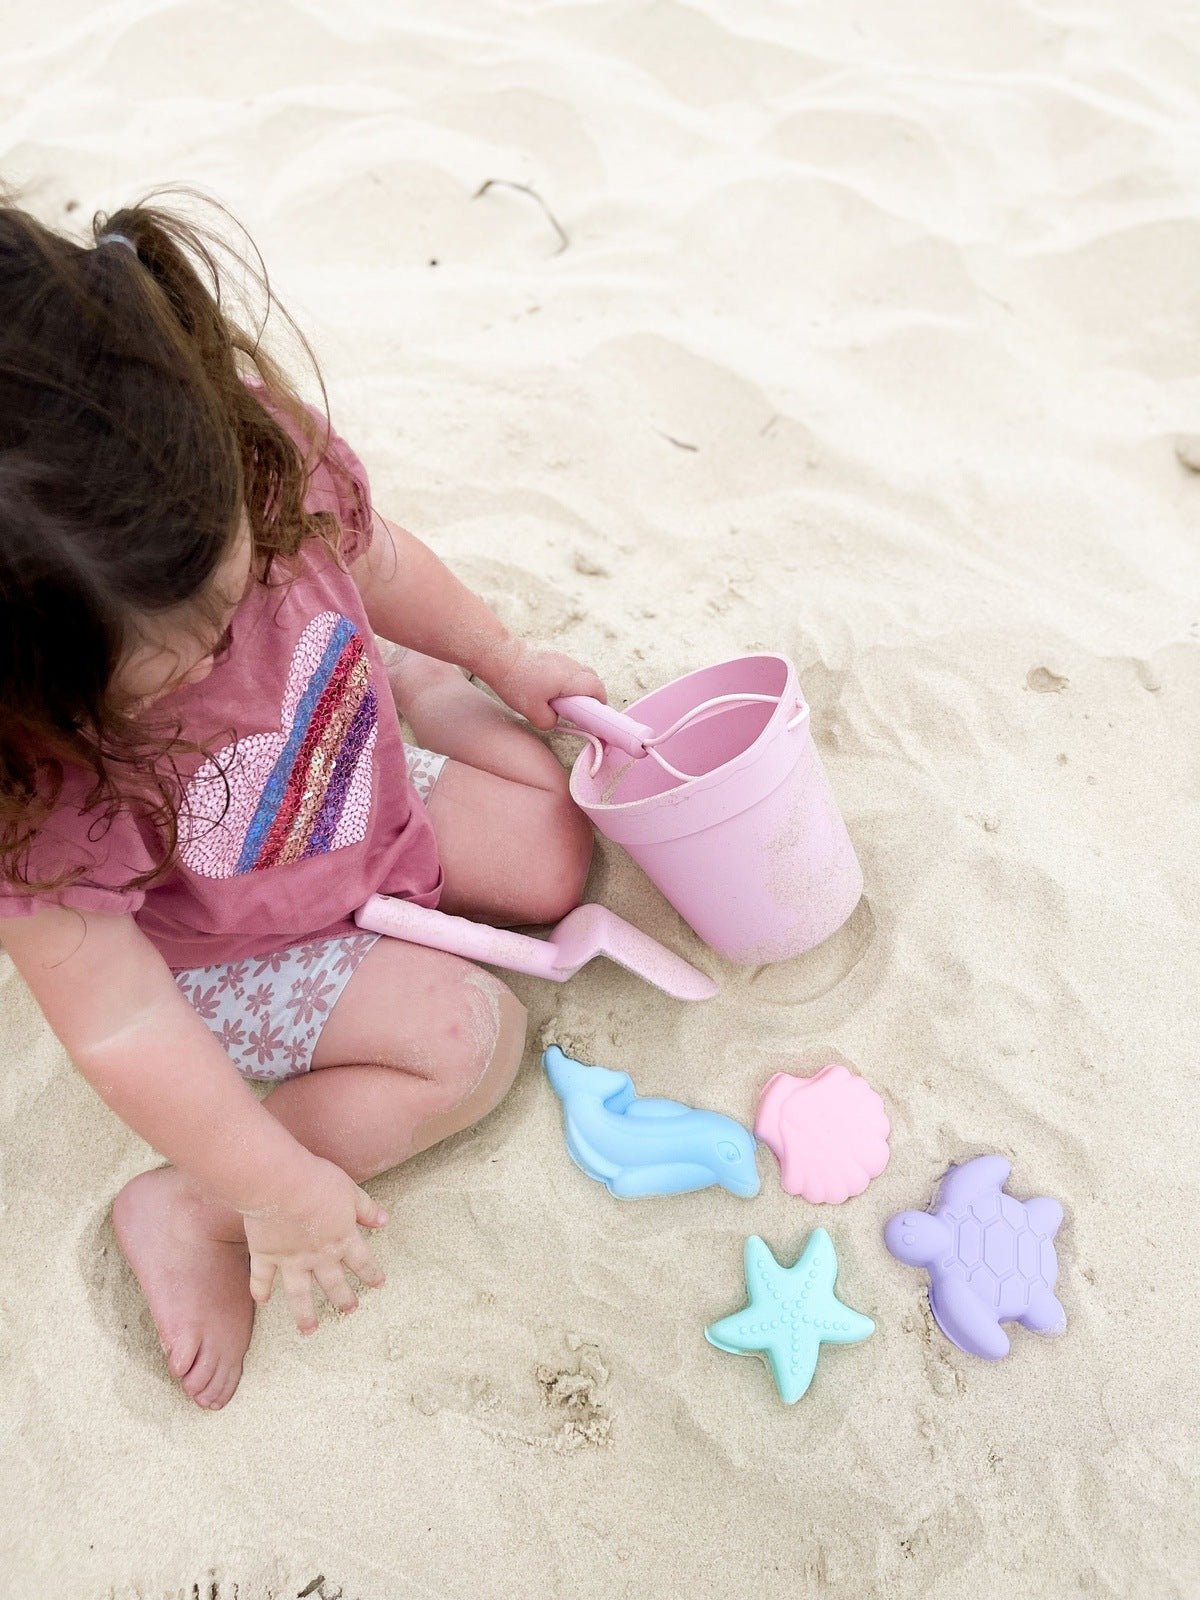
<point>714,786</point>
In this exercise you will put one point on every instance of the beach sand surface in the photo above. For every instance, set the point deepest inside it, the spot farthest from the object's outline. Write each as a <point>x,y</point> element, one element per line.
<point>861,333</point>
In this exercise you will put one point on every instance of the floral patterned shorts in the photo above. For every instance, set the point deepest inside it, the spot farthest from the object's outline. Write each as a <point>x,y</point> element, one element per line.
<point>268,1012</point>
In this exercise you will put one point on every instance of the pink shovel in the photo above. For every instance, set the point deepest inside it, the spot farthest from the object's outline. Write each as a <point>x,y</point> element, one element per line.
<point>588,931</point>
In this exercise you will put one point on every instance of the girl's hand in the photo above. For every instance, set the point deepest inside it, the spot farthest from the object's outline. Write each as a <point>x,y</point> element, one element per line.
<point>314,1235</point>
<point>527,679</point>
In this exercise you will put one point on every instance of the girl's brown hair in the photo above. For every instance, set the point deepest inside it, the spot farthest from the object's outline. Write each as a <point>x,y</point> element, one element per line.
<point>131,439</point>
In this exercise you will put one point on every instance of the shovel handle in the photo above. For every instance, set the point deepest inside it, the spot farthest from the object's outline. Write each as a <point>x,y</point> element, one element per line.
<point>594,717</point>
<point>439,930</point>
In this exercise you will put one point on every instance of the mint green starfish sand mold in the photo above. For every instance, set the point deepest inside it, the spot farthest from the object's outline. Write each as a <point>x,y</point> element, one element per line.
<point>793,1311</point>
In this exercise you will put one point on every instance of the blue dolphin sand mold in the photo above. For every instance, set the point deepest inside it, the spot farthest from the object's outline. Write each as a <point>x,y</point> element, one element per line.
<point>793,1311</point>
<point>644,1147</point>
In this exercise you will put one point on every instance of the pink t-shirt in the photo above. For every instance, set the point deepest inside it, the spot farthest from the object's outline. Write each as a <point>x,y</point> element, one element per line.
<point>321,811</point>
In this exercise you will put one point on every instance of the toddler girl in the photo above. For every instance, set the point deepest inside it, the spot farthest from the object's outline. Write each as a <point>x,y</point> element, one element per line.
<point>202,775</point>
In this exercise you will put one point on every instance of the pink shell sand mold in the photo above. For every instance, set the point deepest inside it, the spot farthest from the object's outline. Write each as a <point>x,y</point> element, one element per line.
<point>829,1133</point>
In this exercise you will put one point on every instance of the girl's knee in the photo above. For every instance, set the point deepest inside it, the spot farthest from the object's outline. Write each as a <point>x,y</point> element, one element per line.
<point>475,1077</point>
<point>562,858</point>
<point>501,1026</point>
<point>579,843</point>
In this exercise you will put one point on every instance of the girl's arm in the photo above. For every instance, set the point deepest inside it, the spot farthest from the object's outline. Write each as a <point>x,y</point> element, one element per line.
<point>411,598</point>
<point>110,998</point>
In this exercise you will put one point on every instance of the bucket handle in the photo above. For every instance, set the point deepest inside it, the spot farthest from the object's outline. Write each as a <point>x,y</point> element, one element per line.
<point>594,717</point>
<point>597,722</point>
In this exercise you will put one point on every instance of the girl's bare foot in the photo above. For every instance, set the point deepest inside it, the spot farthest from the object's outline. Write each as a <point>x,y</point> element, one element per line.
<point>197,1285</point>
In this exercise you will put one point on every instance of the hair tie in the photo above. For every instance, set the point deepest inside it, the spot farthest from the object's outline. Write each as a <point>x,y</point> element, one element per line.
<point>116,238</point>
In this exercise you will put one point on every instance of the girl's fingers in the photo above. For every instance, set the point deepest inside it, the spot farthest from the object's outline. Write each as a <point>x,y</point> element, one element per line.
<point>362,1263</point>
<point>262,1280</point>
<point>370,1213</point>
<point>587,683</point>
<point>337,1291</point>
<point>297,1285</point>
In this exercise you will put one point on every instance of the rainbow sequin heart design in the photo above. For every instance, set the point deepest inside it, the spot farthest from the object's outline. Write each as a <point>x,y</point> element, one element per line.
<point>303,791</point>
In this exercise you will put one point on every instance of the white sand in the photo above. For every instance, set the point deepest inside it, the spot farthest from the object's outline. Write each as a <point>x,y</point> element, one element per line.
<point>916,289</point>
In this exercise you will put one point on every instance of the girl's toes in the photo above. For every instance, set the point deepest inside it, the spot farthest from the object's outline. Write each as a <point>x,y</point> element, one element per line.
<point>203,1371</point>
<point>218,1389</point>
<point>216,1395</point>
<point>232,1378</point>
<point>206,1396</point>
<point>181,1352</point>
